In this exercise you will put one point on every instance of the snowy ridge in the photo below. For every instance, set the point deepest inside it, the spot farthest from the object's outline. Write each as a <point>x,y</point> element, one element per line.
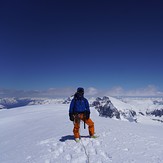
<point>130,109</point>
<point>7,103</point>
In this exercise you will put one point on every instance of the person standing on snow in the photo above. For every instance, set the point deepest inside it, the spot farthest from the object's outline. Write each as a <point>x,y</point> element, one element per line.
<point>79,110</point>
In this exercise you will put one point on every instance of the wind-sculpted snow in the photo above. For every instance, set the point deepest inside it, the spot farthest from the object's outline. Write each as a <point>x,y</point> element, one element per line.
<point>44,134</point>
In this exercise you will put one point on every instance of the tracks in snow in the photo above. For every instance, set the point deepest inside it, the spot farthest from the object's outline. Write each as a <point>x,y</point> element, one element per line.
<point>87,151</point>
<point>115,147</point>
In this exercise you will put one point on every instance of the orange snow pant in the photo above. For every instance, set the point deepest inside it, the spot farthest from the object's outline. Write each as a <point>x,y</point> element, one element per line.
<point>89,122</point>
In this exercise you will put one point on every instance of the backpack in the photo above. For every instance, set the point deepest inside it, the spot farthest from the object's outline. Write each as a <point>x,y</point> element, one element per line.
<point>76,98</point>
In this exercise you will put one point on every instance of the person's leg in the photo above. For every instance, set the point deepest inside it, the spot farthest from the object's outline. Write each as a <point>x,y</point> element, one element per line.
<point>76,127</point>
<point>90,124</point>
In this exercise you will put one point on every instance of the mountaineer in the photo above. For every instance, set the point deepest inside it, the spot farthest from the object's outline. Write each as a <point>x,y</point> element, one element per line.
<point>79,110</point>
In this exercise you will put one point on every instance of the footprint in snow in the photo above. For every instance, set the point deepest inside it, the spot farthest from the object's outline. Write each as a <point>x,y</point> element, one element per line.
<point>68,157</point>
<point>70,151</point>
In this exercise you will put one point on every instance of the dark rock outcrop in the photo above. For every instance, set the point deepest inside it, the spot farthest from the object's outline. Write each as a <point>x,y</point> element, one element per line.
<point>156,113</point>
<point>105,107</point>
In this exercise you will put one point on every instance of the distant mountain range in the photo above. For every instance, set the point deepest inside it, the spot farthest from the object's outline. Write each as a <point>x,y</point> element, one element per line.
<point>130,109</point>
<point>8,103</point>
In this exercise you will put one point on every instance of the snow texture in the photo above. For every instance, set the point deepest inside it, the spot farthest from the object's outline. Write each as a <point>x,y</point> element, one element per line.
<point>43,134</point>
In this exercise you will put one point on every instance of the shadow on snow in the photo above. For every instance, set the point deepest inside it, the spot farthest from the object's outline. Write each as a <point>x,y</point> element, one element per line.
<point>67,137</point>
<point>70,137</point>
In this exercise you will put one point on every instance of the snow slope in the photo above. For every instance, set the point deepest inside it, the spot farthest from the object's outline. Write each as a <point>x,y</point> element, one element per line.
<point>7,103</point>
<point>144,104</point>
<point>43,134</point>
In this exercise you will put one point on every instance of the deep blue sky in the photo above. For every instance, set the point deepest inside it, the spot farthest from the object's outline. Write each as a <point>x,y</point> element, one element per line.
<point>102,44</point>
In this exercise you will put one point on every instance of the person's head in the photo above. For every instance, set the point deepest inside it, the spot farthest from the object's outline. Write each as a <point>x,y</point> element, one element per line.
<point>80,91</point>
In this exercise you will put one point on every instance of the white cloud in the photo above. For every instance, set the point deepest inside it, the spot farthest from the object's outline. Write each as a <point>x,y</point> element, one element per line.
<point>58,92</point>
<point>91,91</point>
<point>150,90</point>
<point>115,91</point>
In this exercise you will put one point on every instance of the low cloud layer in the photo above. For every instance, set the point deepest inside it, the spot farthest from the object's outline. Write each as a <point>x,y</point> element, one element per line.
<point>150,90</point>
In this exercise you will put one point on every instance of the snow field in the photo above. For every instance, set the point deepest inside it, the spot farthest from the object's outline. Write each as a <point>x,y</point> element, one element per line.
<point>70,151</point>
<point>43,134</point>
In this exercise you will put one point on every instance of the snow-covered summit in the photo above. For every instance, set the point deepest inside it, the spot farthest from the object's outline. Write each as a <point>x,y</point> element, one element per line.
<point>111,107</point>
<point>44,134</point>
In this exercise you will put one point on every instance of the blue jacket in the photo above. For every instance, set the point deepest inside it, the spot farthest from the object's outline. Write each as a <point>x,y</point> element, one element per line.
<point>79,106</point>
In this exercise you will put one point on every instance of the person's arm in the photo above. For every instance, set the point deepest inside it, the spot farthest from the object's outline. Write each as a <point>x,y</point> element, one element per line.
<point>71,110</point>
<point>87,105</point>
<point>87,114</point>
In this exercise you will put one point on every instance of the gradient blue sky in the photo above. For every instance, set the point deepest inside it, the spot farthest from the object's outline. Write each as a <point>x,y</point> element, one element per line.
<point>101,44</point>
